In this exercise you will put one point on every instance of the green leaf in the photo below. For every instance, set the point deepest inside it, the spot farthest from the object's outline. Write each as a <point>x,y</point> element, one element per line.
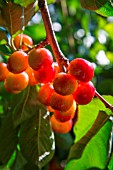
<point>30,166</point>
<point>93,4</point>
<point>24,3</point>
<point>96,153</point>
<point>37,139</point>
<point>8,138</point>
<point>110,166</point>
<point>27,107</point>
<point>78,148</point>
<point>87,115</point>
<point>102,7</point>
<point>4,49</point>
<point>20,161</point>
<point>106,10</point>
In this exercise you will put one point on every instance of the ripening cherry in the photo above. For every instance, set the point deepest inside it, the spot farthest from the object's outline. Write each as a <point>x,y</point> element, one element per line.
<point>84,93</point>
<point>64,84</point>
<point>81,69</point>
<point>3,71</point>
<point>9,90</point>
<point>17,62</point>
<point>45,75</point>
<point>63,118</point>
<point>71,111</point>
<point>40,58</point>
<point>45,93</point>
<point>32,80</point>
<point>61,103</point>
<point>23,41</point>
<point>61,127</point>
<point>16,82</point>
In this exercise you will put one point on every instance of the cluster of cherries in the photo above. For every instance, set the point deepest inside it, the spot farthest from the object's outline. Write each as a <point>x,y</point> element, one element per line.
<point>59,91</point>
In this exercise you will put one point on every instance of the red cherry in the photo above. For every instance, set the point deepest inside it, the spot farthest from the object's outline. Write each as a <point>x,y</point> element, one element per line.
<point>40,58</point>
<point>45,75</point>
<point>84,93</point>
<point>81,69</point>
<point>63,118</point>
<point>64,84</point>
<point>61,103</point>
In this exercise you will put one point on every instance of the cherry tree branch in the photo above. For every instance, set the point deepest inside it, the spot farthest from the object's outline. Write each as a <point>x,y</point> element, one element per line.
<point>59,56</point>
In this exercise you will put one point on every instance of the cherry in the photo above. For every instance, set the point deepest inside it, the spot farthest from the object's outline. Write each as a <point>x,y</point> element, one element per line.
<point>81,69</point>
<point>22,41</point>
<point>3,71</point>
<point>71,111</point>
<point>45,75</point>
<point>56,67</point>
<point>61,127</point>
<point>61,103</point>
<point>17,62</point>
<point>32,80</point>
<point>50,109</point>
<point>64,84</point>
<point>16,82</point>
<point>63,118</point>
<point>84,93</point>
<point>45,93</point>
<point>40,58</point>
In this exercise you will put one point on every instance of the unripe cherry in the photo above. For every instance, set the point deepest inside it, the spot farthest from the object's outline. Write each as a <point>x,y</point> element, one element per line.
<point>64,84</point>
<point>81,69</point>
<point>84,93</point>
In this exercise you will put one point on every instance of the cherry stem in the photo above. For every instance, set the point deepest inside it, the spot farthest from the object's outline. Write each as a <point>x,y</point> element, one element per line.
<point>51,38</point>
<point>108,105</point>
<point>42,44</point>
